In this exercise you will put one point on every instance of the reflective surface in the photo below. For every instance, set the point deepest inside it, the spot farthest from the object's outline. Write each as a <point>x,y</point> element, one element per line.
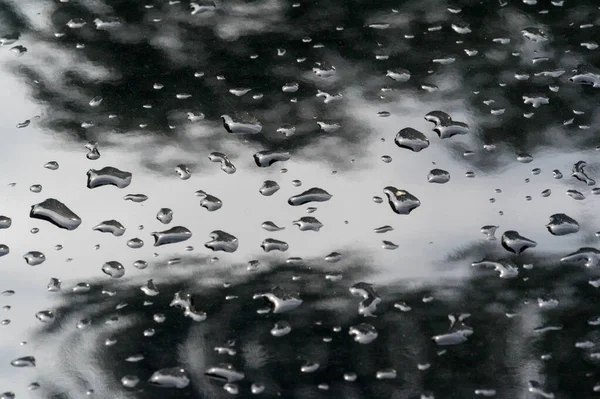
<point>299,200</point>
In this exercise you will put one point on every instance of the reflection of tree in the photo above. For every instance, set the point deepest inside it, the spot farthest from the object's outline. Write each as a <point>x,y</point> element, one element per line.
<point>503,353</point>
<point>166,44</point>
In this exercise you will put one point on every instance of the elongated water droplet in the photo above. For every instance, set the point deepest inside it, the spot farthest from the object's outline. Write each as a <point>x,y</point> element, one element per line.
<point>226,165</point>
<point>308,223</point>
<point>314,194</point>
<point>172,235</point>
<point>248,126</point>
<point>55,212</point>
<point>5,222</point>
<point>110,226</point>
<point>135,243</point>
<point>175,377</point>
<point>281,300</point>
<point>271,244</point>
<point>268,158</point>
<point>513,242</point>
<point>505,267</point>
<point>135,197</point>
<point>52,165</point>
<point>108,176</point>
<point>26,361</point>
<point>561,224</point>
<point>270,226</point>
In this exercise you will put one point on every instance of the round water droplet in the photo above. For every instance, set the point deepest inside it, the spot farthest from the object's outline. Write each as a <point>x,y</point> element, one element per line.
<point>135,243</point>
<point>113,269</point>
<point>34,258</point>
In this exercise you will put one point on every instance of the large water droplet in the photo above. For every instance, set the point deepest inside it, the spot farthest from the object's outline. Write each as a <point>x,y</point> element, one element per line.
<point>268,188</point>
<point>110,226</point>
<point>411,139</point>
<point>26,361</point>
<point>370,298</point>
<point>5,222</point>
<point>55,212</point>
<point>113,269</point>
<point>175,377</point>
<point>172,235</point>
<point>226,165</point>
<point>314,194</point>
<point>209,202</point>
<point>270,226</point>
<point>222,241</point>
<point>248,126</point>
<point>281,300</point>
<point>281,328</point>
<point>513,242</point>
<point>45,316</point>
<point>579,173</point>
<point>308,223</point>
<point>108,176</point>
<point>589,257</point>
<point>561,224</point>
<point>34,258</point>
<point>271,244</point>
<point>363,333</point>
<point>438,176</point>
<point>164,215</point>
<point>445,127</point>
<point>402,202</point>
<point>505,267</point>
<point>268,158</point>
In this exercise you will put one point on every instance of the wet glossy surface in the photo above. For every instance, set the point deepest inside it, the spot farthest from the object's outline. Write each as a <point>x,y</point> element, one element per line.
<point>360,200</point>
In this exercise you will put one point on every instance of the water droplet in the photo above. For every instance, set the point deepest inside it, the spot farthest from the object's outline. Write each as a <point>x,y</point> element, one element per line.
<point>135,197</point>
<point>113,269</point>
<point>271,244</point>
<point>333,257</point>
<point>281,300</point>
<point>386,374</point>
<point>130,381</point>
<point>164,215</point>
<point>489,231</point>
<point>110,226</point>
<point>26,361</point>
<point>183,171</point>
<point>575,195</point>
<point>388,245</point>
<point>457,334</point>
<point>513,242</point>
<point>561,224</point>
<point>172,235</point>
<point>93,152</point>
<point>269,187</point>
<point>140,264</point>
<point>52,165</point>
<point>585,75</point>
<point>546,192</point>
<point>108,176</point>
<point>535,387</point>
<point>45,316</point>
<point>257,388</point>
<point>281,328</point>
<point>402,202</point>
<point>308,223</point>
<point>55,212</point>
<point>245,126</point>
<point>590,257</point>
<point>290,87</point>
<point>8,395</point>
<point>579,173</point>
<point>268,158</point>
<point>209,202</point>
<point>534,34</point>
<point>314,194</point>
<point>363,333</point>
<point>439,176</point>
<point>34,258</point>
<point>370,298</point>
<point>135,243</point>
<point>222,241</point>
<point>445,127</point>
<point>81,288</point>
<point>5,222</point>
<point>226,165</point>
<point>150,288</point>
<point>183,300</point>
<point>175,377</point>
<point>411,139</point>
<point>505,267</point>
<point>35,188</point>
<point>54,285</point>
<point>398,74</point>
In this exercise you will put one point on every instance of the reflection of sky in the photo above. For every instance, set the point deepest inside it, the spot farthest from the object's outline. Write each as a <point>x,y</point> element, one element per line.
<point>449,218</point>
